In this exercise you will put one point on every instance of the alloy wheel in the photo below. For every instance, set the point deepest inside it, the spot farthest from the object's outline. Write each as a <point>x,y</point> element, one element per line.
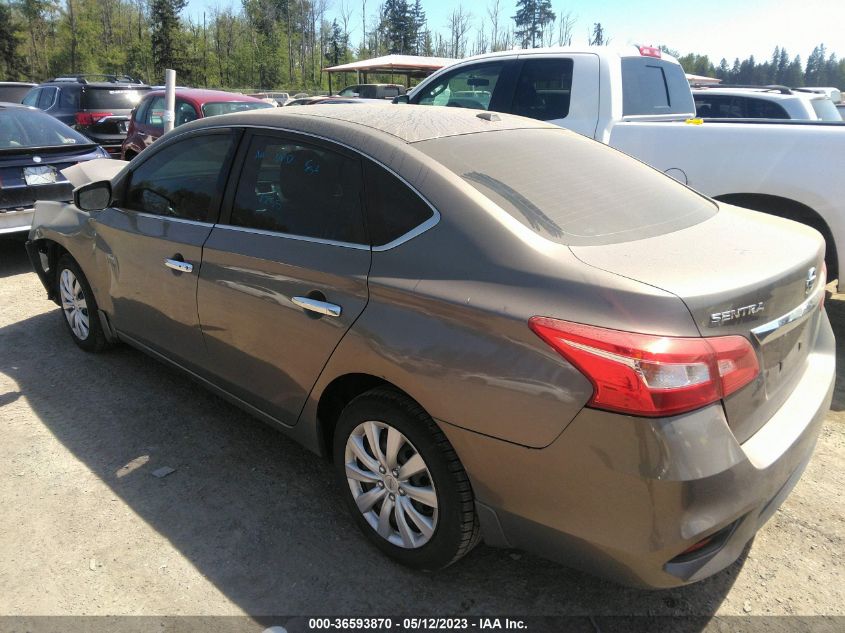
<point>391,484</point>
<point>74,304</point>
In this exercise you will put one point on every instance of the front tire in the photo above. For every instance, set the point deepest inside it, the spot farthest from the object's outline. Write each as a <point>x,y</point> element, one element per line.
<point>79,308</point>
<point>403,481</point>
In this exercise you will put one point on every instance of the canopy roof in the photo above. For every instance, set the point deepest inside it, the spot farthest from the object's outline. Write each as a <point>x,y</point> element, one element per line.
<point>398,64</point>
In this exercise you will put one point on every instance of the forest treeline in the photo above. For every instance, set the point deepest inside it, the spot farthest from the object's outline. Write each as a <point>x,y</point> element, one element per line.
<point>286,43</point>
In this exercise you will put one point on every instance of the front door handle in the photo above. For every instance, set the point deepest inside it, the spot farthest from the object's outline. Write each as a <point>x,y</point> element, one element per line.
<point>320,307</point>
<point>179,264</point>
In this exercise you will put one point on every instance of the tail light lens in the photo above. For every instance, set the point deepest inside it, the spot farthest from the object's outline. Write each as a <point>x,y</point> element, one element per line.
<point>90,118</point>
<point>642,374</point>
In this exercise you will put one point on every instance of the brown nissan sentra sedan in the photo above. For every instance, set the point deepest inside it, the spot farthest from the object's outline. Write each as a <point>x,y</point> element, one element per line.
<point>494,327</point>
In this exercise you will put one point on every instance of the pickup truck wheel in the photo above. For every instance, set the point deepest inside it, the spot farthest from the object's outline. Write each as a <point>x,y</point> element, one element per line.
<point>403,482</point>
<point>79,308</point>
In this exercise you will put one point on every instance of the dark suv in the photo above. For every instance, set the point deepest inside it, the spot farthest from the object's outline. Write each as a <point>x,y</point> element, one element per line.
<point>96,105</point>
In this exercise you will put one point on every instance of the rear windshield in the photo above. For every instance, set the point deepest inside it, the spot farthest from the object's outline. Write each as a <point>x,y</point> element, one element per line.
<point>654,86</point>
<point>112,98</point>
<point>568,188</point>
<point>826,110</point>
<point>226,107</point>
<point>20,128</point>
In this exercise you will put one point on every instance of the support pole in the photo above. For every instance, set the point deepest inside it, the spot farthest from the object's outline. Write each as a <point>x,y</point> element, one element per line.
<point>169,115</point>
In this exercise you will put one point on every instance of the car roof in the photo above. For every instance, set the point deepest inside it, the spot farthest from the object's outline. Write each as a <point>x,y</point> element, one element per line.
<point>405,123</point>
<point>201,95</point>
<point>768,93</point>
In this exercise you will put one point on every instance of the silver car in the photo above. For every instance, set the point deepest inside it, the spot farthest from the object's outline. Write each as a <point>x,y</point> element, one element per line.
<point>495,328</point>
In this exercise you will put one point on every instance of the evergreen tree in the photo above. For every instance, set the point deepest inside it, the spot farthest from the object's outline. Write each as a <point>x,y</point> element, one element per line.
<point>164,18</point>
<point>599,37</point>
<point>531,19</point>
<point>11,63</point>
<point>337,45</point>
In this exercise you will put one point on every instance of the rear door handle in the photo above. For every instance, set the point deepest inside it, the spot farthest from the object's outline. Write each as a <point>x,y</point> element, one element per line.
<point>320,307</point>
<point>180,265</point>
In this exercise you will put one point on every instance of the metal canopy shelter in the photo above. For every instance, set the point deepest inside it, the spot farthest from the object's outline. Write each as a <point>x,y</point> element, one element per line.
<point>406,65</point>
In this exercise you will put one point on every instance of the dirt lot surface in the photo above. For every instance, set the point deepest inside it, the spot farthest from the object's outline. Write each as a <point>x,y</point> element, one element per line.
<point>249,522</point>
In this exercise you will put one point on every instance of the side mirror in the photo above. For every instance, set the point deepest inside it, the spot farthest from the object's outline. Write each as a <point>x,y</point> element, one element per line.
<point>401,99</point>
<point>95,196</point>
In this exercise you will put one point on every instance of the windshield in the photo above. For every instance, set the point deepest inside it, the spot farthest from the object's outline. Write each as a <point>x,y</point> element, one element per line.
<point>227,107</point>
<point>826,110</point>
<point>652,86</point>
<point>112,98</point>
<point>570,189</point>
<point>21,127</point>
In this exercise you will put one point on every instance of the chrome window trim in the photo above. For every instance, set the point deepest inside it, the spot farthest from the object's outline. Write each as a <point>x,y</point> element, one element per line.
<point>791,319</point>
<point>414,232</point>
<point>155,216</point>
<point>291,236</point>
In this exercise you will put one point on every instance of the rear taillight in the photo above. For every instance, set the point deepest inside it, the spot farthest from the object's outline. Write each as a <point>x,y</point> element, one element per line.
<point>90,118</point>
<point>650,51</point>
<point>642,374</point>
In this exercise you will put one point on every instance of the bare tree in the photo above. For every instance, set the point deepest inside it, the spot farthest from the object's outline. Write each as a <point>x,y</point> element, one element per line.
<point>566,25</point>
<point>458,25</point>
<point>494,11</point>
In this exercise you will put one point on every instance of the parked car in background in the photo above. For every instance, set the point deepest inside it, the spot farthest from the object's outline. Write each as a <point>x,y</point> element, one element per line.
<point>494,327</point>
<point>638,100</point>
<point>281,98</point>
<point>323,99</point>
<point>14,91</point>
<point>373,91</point>
<point>146,123</point>
<point>761,102</point>
<point>96,105</point>
<point>841,108</point>
<point>834,94</point>
<point>34,148</point>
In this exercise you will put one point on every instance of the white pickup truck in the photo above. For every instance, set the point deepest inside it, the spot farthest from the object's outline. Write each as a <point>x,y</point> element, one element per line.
<point>638,100</point>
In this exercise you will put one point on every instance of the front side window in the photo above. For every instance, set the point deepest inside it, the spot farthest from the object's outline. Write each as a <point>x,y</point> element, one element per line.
<point>298,189</point>
<point>31,98</point>
<point>469,88</point>
<point>544,88</point>
<point>185,113</point>
<point>183,180</point>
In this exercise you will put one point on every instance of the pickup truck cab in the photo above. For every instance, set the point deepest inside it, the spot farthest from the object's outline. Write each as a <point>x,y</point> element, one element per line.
<point>638,100</point>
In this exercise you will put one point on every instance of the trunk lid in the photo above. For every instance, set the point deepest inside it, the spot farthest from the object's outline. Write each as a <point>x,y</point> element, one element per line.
<point>736,272</point>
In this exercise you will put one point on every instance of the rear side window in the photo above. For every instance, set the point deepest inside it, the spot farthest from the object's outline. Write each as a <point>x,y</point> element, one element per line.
<point>154,114</point>
<point>111,98</point>
<point>825,110</point>
<point>652,87</point>
<point>297,189</point>
<point>469,88</point>
<point>763,109</point>
<point>543,89</point>
<point>393,208</point>
<point>68,99</point>
<point>47,98</point>
<point>213,109</point>
<point>570,189</point>
<point>183,180</point>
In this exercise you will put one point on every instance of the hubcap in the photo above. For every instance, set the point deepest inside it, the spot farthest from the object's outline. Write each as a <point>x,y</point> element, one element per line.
<point>391,484</point>
<point>73,304</point>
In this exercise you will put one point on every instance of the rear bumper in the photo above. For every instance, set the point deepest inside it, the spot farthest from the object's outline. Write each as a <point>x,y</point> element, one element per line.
<point>623,497</point>
<point>18,221</point>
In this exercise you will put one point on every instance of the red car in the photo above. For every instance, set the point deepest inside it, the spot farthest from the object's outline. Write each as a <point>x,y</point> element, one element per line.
<point>146,122</point>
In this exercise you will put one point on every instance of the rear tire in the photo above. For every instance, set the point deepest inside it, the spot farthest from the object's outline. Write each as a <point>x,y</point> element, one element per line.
<point>411,497</point>
<point>79,308</point>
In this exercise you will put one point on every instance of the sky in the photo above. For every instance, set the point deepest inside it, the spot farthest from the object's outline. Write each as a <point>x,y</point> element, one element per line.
<point>717,28</point>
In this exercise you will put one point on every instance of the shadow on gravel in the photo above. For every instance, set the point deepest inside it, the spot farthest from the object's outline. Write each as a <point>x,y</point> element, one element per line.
<point>258,515</point>
<point>13,257</point>
<point>836,313</point>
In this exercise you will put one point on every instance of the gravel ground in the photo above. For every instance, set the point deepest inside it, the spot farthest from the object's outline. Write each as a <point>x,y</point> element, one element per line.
<point>249,522</point>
